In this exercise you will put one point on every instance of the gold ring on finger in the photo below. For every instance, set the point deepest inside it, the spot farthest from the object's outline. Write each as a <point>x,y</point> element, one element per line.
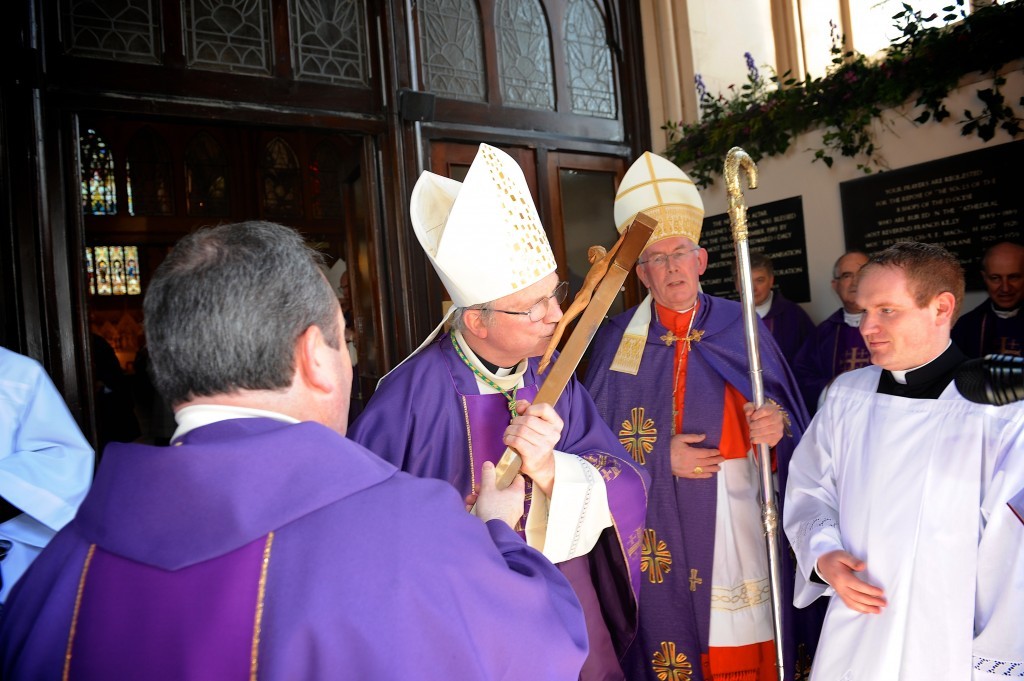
<point>698,470</point>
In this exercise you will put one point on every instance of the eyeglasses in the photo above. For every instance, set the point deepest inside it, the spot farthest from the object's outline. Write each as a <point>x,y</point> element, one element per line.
<point>539,309</point>
<point>661,261</point>
<point>845,276</point>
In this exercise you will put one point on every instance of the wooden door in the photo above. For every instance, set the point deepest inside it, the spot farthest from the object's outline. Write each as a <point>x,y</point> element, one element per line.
<point>582,190</point>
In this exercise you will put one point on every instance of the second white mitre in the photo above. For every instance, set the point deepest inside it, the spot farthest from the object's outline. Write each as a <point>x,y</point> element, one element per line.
<point>663,191</point>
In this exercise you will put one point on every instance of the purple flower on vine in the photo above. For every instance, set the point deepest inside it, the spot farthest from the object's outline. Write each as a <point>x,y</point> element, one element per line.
<point>702,89</point>
<point>753,73</point>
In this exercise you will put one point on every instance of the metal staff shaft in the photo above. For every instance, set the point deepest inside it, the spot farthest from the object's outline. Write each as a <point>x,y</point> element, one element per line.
<point>734,160</point>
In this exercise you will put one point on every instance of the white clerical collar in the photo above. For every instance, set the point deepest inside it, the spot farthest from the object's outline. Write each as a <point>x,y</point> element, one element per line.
<point>763,308</point>
<point>1005,314</point>
<point>852,318</point>
<point>901,376</point>
<point>198,415</point>
<point>687,309</point>
<point>505,378</point>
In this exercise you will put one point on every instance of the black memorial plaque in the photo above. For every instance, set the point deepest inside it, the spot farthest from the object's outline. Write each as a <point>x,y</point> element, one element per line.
<point>777,230</point>
<point>964,203</point>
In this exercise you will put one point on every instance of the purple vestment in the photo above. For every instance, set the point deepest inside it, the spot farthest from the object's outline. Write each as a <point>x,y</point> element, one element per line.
<point>835,347</point>
<point>982,332</point>
<point>287,552</point>
<point>788,324</point>
<point>429,418</point>
<point>680,532</point>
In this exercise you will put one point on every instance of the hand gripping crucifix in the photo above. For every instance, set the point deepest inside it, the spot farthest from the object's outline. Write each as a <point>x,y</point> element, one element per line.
<point>600,287</point>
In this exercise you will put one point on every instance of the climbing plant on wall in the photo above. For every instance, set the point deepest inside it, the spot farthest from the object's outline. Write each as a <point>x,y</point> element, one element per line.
<point>922,66</point>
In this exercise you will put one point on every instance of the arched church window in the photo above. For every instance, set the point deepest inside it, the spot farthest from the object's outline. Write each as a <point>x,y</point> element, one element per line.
<point>148,175</point>
<point>325,182</point>
<point>452,49</point>
<point>524,55</point>
<point>591,76</point>
<point>330,41</point>
<point>98,190</point>
<point>206,177</point>
<point>125,30</point>
<point>228,35</point>
<point>282,195</point>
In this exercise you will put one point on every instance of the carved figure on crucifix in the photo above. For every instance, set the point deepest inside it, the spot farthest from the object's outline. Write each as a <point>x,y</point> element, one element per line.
<point>600,260</point>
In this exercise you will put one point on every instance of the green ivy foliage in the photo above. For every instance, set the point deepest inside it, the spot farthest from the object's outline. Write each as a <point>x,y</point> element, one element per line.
<point>923,65</point>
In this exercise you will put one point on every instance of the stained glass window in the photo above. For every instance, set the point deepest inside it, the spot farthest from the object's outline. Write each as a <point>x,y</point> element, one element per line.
<point>102,259</point>
<point>591,77</point>
<point>132,270</point>
<point>99,196</point>
<point>452,46</point>
<point>148,171</point>
<point>524,55</point>
<point>325,182</point>
<point>228,35</point>
<point>281,182</point>
<point>125,30</point>
<point>90,271</point>
<point>206,177</point>
<point>113,270</point>
<point>117,283</point>
<point>330,41</point>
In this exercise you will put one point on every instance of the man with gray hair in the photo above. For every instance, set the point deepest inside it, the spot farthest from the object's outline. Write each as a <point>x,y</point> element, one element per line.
<point>264,544</point>
<point>786,321</point>
<point>461,399</point>
<point>996,326</point>
<point>835,346</point>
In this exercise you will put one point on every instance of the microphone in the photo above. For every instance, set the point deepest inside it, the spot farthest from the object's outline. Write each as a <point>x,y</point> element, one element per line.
<point>993,379</point>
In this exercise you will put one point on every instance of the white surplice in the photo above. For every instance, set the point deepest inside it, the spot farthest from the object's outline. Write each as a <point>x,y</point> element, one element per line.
<point>916,488</point>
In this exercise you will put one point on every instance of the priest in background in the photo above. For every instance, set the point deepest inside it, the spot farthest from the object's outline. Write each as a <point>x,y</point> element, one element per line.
<point>466,395</point>
<point>789,325</point>
<point>835,346</point>
<point>671,377</point>
<point>262,544</point>
<point>997,325</point>
<point>897,499</point>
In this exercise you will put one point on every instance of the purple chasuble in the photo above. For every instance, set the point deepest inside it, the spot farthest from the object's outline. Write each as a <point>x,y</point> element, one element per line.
<point>789,325</point>
<point>168,572</point>
<point>678,548</point>
<point>219,597</point>
<point>834,348</point>
<point>429,418</point>
<point>982,332</point>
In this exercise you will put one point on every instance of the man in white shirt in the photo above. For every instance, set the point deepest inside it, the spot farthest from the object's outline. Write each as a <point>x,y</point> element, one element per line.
<point>896,505</point>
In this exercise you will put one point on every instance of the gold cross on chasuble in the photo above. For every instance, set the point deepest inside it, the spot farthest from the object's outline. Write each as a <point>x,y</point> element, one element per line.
<point>695,335</point>
<point>694,579</point>
<point>858,358</point>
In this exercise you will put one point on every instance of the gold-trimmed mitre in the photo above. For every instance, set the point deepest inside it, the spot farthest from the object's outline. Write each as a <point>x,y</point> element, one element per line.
<point>660,189</point>
<point>483,235</point>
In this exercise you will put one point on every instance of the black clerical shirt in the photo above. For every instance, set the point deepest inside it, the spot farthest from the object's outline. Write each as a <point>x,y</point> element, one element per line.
<point>927,382</point>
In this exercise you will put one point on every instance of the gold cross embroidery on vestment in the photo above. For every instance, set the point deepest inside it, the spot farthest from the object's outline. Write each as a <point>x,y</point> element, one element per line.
<point>695,335</point>
<point>694,579</point>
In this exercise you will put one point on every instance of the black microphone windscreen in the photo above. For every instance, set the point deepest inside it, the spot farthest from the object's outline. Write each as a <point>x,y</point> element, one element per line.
<point>970,380</point>
<point>993,379</point>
